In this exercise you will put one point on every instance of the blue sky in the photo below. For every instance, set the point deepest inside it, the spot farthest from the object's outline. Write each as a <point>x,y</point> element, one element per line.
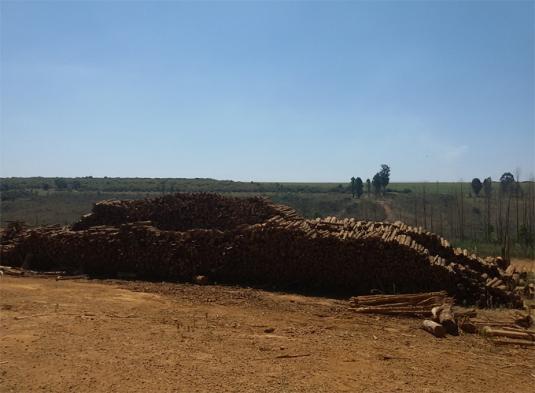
<point>267,91</point>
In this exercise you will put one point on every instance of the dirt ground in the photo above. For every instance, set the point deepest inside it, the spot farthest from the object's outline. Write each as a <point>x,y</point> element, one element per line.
<point>119,336</point>
<point>524,265</point>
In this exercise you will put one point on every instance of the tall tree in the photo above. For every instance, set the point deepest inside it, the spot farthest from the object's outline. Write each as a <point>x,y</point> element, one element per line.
<point>368,187</point>
<point>359,187</point>
<point>377,183</point>
<point>518,192</point>
<point>460,207</point>
<point>424,203</point>
<point>476,186</point>
<point>507,182</point>
<point>384,175</point>
<point>487,190</point>
<point>487,187</point>
<point>353,187</point>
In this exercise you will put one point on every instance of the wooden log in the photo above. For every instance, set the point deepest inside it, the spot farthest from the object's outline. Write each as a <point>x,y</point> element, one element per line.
<point>488,331</point>
<point>446,319</point>
<point>11,271</point>
<point>408,311</point>
<point>515,342</point>
<point>435,313</point>
<point>467,326</point>
<point>413,298</point>
<point>472,313</point>
<point>436,329</point>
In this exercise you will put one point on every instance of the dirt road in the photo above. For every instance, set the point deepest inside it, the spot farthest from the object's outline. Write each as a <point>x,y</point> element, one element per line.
<point>88,336</point>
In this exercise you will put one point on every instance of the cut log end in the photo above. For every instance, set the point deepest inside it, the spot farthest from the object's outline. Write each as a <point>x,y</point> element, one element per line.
<point>436,329</point>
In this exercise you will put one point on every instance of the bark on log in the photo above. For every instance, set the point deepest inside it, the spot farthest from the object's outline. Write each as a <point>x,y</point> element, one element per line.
<point>436,329</point>
<point>488,331</point>
<point>515,342</point>
<point>446,319</point>
<point>467,326</point>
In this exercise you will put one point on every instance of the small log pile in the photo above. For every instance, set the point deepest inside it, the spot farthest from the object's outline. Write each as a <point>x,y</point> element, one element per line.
<point>436,305</point>
<point>518,330</point>
<point>414,304</point>
<point>442,319</point>
<point>510,335</point>
<point>253,241</point>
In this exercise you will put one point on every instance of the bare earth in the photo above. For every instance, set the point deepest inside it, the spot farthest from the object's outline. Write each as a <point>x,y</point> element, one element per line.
<point>524,265</point>
<point>112,336</point>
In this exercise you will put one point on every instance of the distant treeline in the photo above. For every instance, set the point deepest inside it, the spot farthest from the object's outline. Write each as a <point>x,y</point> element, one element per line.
<point>14,185</point>
<point>164,185</point>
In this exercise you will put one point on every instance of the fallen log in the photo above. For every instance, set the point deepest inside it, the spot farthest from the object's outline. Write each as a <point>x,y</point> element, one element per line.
<point>488,331</point>
<point>436,329</point>
<point>446,319</point>
<point>467,326</point>
<point>11,271</point>
<point>465,314</point>
<point>78,277</point>
<point>410,298</point>
<point>435,312</point>
<point>414,311</point>
<point>515,342</point>
<point>526,322</point>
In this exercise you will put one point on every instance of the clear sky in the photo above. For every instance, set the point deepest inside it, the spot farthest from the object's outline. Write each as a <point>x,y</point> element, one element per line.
<point>268,91</point>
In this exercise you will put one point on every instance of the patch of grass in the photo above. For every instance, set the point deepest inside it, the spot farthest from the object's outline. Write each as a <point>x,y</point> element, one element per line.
<point>493,249</point>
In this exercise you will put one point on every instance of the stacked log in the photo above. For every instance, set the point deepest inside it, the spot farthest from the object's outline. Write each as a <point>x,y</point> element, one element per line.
<point>183,211</point>
<point>253,241</point>
<point>415,304</point>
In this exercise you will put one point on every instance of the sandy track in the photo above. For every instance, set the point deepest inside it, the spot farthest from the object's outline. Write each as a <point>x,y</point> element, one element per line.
<point>524,265</point>
<point>87,336</point>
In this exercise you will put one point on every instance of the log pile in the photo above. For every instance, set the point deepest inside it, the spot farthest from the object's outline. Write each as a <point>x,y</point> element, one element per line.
<point>510,335</point>
<point>180,212</point>
<point>253,241</point>
<point>415,304</point>
<point>442,320</point>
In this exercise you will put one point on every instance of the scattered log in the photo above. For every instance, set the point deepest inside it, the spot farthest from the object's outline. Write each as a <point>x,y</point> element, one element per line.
<point>465,314</point>
<point>201,280</point>
<point>75,277</point>
<point>436,329</point>
<point>467,326</point>
<point>409,298</point>
<point>414,311</point>
<point>526,321</point>
<point>488,331</point>
<point>481,324</point>
<point>523,343</point>
<point>435,313</point>
<point>11,271</point>
<point>446,319</point>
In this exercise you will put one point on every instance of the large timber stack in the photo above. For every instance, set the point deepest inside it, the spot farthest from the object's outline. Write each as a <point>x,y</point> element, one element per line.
<point>181,212</point>
<point>253,241</point>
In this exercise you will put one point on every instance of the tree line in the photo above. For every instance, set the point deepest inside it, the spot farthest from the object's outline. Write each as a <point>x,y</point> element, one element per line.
<point>510,210</point>
<point>499,213</point>
<point>379,183</point>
